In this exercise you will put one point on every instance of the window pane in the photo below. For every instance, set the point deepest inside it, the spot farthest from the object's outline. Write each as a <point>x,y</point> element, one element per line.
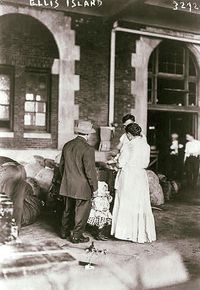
<point>29,97</point>
<point>192,94</point>
<point>37,83</point>
<point>27,119</point>
<point>4,97</point>
<point>4,112</point>
<point>4,82</point>
<point>38,98</point>
<point>192,70</point>
<point>30,106</point>
<point>42,96</point>
<point>171,57</point>
<point>6,94</point>
<point>171,92</point>
<point>40,107</point>
<point>40,119</point>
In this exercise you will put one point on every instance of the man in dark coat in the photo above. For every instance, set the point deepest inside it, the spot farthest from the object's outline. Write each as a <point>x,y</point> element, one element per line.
<point>79,182</point>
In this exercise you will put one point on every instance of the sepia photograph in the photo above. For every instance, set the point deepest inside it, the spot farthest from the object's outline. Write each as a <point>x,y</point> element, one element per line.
<point>99,144</point>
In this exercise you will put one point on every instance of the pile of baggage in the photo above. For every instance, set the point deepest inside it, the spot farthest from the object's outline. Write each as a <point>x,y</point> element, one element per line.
<point>8,228</point>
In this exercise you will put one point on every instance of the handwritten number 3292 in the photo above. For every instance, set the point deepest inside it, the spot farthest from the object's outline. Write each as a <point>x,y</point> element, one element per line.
<point>185,5</point>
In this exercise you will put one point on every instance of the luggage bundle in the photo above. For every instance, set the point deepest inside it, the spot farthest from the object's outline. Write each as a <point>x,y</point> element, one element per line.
<point>8,229</point>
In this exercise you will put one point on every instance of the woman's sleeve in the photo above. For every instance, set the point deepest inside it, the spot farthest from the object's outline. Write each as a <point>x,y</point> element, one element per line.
<point>124,156</point>
<point>146,157</point>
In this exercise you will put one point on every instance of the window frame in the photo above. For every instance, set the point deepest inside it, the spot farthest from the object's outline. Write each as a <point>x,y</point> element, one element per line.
<point>154,75</point>
<point>9,70</point>
<point>47,73</point>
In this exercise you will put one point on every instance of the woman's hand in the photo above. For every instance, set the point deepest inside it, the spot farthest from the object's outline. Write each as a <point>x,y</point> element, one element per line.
<point>114,152</point>
<point>118,165</point>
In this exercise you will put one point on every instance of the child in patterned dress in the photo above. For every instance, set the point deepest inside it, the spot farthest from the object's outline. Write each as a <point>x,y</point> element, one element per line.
<point>100,215</point>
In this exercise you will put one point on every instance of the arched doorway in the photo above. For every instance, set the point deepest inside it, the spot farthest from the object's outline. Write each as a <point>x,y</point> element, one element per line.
<point>64,67</point>
<point>27,86</point>
<point>172,96</point>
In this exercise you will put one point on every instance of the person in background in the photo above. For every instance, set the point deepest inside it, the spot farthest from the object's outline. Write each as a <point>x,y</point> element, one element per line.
<point>175,161</point>
<point>126,120</point>
<point>192,159</point>
<point>79,183</point>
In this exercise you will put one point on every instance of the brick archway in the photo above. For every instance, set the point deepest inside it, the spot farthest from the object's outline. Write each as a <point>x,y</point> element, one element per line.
<point>140,59</point>
<point>60,27</point>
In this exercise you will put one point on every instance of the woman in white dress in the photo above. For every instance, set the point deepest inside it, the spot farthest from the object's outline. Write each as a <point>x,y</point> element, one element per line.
<point>132,214</point>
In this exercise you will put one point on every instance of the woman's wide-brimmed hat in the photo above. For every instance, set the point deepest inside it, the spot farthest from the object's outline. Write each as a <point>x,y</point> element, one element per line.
<point>84,127</point>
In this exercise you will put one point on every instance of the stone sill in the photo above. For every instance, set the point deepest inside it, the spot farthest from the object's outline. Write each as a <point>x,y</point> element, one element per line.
<point>6,134</point>
<point>37,135</point>
<point>27,155</point>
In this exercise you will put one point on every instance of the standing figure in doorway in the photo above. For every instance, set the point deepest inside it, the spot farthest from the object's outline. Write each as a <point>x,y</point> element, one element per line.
<point>79,183</point>
<point>175,161</point>
<point>132,214</point>
<point>192,160</point>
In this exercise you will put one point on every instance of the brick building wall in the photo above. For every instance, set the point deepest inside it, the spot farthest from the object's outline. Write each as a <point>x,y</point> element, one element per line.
<point>26,43</point>
<point>93,37</point>
<point>124,74</point>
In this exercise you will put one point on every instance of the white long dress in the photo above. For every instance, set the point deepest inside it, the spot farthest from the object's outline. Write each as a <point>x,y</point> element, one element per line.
<point>132,214</point>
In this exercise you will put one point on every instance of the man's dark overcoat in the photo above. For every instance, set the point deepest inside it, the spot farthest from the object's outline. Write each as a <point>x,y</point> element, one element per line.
<point>78,171</point>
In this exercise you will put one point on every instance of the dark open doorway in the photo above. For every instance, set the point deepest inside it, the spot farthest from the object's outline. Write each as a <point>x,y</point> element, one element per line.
<point>161,124</point>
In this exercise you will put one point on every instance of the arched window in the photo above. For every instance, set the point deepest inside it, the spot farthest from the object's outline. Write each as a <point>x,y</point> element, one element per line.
<point>6,96</point>
<point>172,76</point>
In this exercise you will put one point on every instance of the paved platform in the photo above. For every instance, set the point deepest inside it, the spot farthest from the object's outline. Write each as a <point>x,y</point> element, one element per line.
<point>178,232</point>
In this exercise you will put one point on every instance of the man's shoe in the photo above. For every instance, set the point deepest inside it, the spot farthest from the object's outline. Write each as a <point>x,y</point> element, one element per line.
<point>81,239</point>
<point>64,235</point>
<point>101,237</point>
<point>74,240</point>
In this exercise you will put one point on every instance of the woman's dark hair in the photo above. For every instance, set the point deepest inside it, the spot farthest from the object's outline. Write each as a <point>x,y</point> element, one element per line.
<point>134,129</point>
<point>128,117</point>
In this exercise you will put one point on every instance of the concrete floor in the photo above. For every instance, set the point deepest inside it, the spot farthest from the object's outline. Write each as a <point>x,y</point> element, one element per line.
<point>178,232</point>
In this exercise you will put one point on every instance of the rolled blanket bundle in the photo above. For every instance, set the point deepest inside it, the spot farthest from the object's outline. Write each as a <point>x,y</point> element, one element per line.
<point>155,189</point>
<point>26,206</point>
<point>32,206</point>
<point>6,217</point>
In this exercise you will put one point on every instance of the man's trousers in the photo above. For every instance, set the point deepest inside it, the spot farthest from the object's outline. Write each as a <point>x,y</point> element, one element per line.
<point>75,216</point>
<point>192,170</point>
